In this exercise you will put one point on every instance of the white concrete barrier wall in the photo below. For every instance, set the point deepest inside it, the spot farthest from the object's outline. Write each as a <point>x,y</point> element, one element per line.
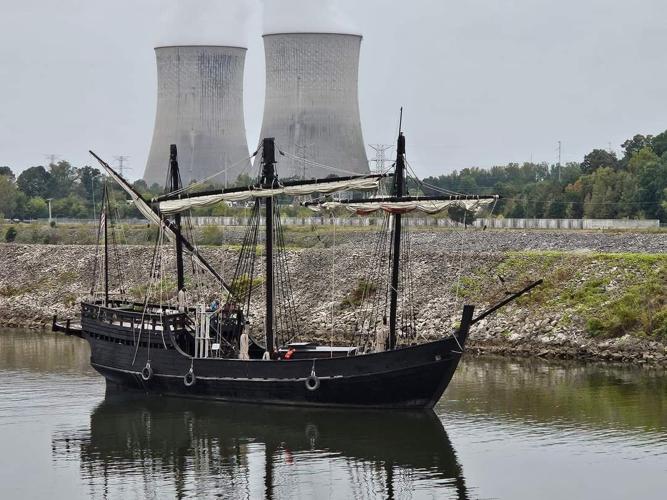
<point>498,223</point>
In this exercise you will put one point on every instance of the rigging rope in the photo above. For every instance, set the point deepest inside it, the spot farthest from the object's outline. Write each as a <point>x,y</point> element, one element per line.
<point>205,180</point>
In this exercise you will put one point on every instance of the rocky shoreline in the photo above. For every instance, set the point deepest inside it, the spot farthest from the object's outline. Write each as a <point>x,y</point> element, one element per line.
<point>39,281</point>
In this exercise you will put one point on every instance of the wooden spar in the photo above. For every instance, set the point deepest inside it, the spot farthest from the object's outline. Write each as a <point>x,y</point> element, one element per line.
<point>268,178</point>
<point>175,184</point>
<point>106,245</point>
<point>399,180</point>
<point>502,303</point>
<point>394,199</point>
<point>143,206</point>
<point>288,183</point>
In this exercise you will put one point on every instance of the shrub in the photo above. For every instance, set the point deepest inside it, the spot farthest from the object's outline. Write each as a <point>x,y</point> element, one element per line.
<point>10,235</point>
<point>363,290</point>
<point>642,310</point>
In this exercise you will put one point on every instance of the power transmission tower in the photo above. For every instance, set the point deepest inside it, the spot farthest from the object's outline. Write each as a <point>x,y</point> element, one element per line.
<point>121,164</point>
<point>380,157</point>
<point>301,153</point>
<point>52,158</point>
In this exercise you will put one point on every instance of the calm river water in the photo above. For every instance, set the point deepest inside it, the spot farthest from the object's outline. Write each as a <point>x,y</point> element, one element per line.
<point>504,429</point>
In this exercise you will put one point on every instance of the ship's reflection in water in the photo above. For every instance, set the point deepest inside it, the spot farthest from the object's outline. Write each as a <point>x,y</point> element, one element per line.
<point>189,448</point>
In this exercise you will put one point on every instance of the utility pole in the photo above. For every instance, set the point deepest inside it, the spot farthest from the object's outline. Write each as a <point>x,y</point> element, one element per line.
<point>49,202</point>
<point>559,155</point>
<point>379,155</point>
<point>121,164</point>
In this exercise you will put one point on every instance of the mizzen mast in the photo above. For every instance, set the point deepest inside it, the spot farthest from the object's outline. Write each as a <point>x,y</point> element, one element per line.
<point>398,192</point>
<point>267,182</point>
<point>105,215</point>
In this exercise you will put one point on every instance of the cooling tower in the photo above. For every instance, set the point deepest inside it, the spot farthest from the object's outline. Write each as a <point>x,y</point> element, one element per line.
<point>312,106</point>
<point>200,109</point>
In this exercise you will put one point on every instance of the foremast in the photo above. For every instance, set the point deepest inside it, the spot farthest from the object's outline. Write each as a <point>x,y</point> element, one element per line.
<point>174,185</point>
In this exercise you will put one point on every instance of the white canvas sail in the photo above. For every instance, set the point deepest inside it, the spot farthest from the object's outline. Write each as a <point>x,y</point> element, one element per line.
<point>430,207</point>
<point>180,205</point>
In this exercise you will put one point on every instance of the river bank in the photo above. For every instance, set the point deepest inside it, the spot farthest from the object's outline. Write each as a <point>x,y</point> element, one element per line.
<point>599,301</point>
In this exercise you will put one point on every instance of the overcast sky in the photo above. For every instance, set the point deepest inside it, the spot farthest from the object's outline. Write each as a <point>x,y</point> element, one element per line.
<point>483,82</point>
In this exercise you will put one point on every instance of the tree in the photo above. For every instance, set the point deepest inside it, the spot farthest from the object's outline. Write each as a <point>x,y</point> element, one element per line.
<point>140,186</point>
<point>602,194</point>
<point>35,181</point>
<point>461,214</point>
<point>8,197</point>
<point>7,172</point>
<point>637,143</point>
<point>63,177</point>
<point>652,179</point>
<point>659,143</point>
<point>70,206</point>
<point>598,158</point>
<point>36,207</point>
<point>86,176</point>
<point>243,180</point>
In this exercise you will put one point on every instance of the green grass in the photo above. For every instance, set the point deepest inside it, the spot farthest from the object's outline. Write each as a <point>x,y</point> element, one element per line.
<point>611,294</point>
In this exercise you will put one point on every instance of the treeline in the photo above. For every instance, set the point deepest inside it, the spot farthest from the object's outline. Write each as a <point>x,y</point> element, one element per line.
<point>601,186</point>
<point>74,192</point>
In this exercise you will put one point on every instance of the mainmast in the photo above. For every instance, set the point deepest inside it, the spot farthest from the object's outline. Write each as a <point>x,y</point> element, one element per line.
<point>174,185</point>
<point>399,189</point>
<point>267,181</point>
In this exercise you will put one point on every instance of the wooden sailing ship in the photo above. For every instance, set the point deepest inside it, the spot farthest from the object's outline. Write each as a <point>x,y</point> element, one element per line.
<point>188,350</point>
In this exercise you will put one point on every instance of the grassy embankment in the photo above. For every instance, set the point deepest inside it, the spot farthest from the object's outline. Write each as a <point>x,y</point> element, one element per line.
<point>609,294</point>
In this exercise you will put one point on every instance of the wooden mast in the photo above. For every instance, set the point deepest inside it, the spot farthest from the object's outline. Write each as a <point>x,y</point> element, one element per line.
<point>175,184</point>
<point>399,188</point>
<point>105,204</point>
<point>267,181</point>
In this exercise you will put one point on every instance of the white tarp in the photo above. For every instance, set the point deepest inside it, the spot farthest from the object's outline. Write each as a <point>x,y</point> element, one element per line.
<point>362,184</point>
<point>425,206</point>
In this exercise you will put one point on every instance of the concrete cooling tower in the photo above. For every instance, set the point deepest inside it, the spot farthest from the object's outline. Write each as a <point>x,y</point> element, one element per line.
<point>200,109</point>
<point>311,105</point>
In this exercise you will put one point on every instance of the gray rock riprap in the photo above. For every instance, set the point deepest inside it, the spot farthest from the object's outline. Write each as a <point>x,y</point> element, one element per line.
<point>38,281</point>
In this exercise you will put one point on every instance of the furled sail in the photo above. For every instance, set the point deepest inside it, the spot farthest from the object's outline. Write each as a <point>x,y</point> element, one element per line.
<point>325,186</point>
<point>426,206</point>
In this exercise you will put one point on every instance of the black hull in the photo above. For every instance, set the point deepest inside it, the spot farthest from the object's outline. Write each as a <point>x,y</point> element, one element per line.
<point>411,378</point>
<point>341,381</point>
